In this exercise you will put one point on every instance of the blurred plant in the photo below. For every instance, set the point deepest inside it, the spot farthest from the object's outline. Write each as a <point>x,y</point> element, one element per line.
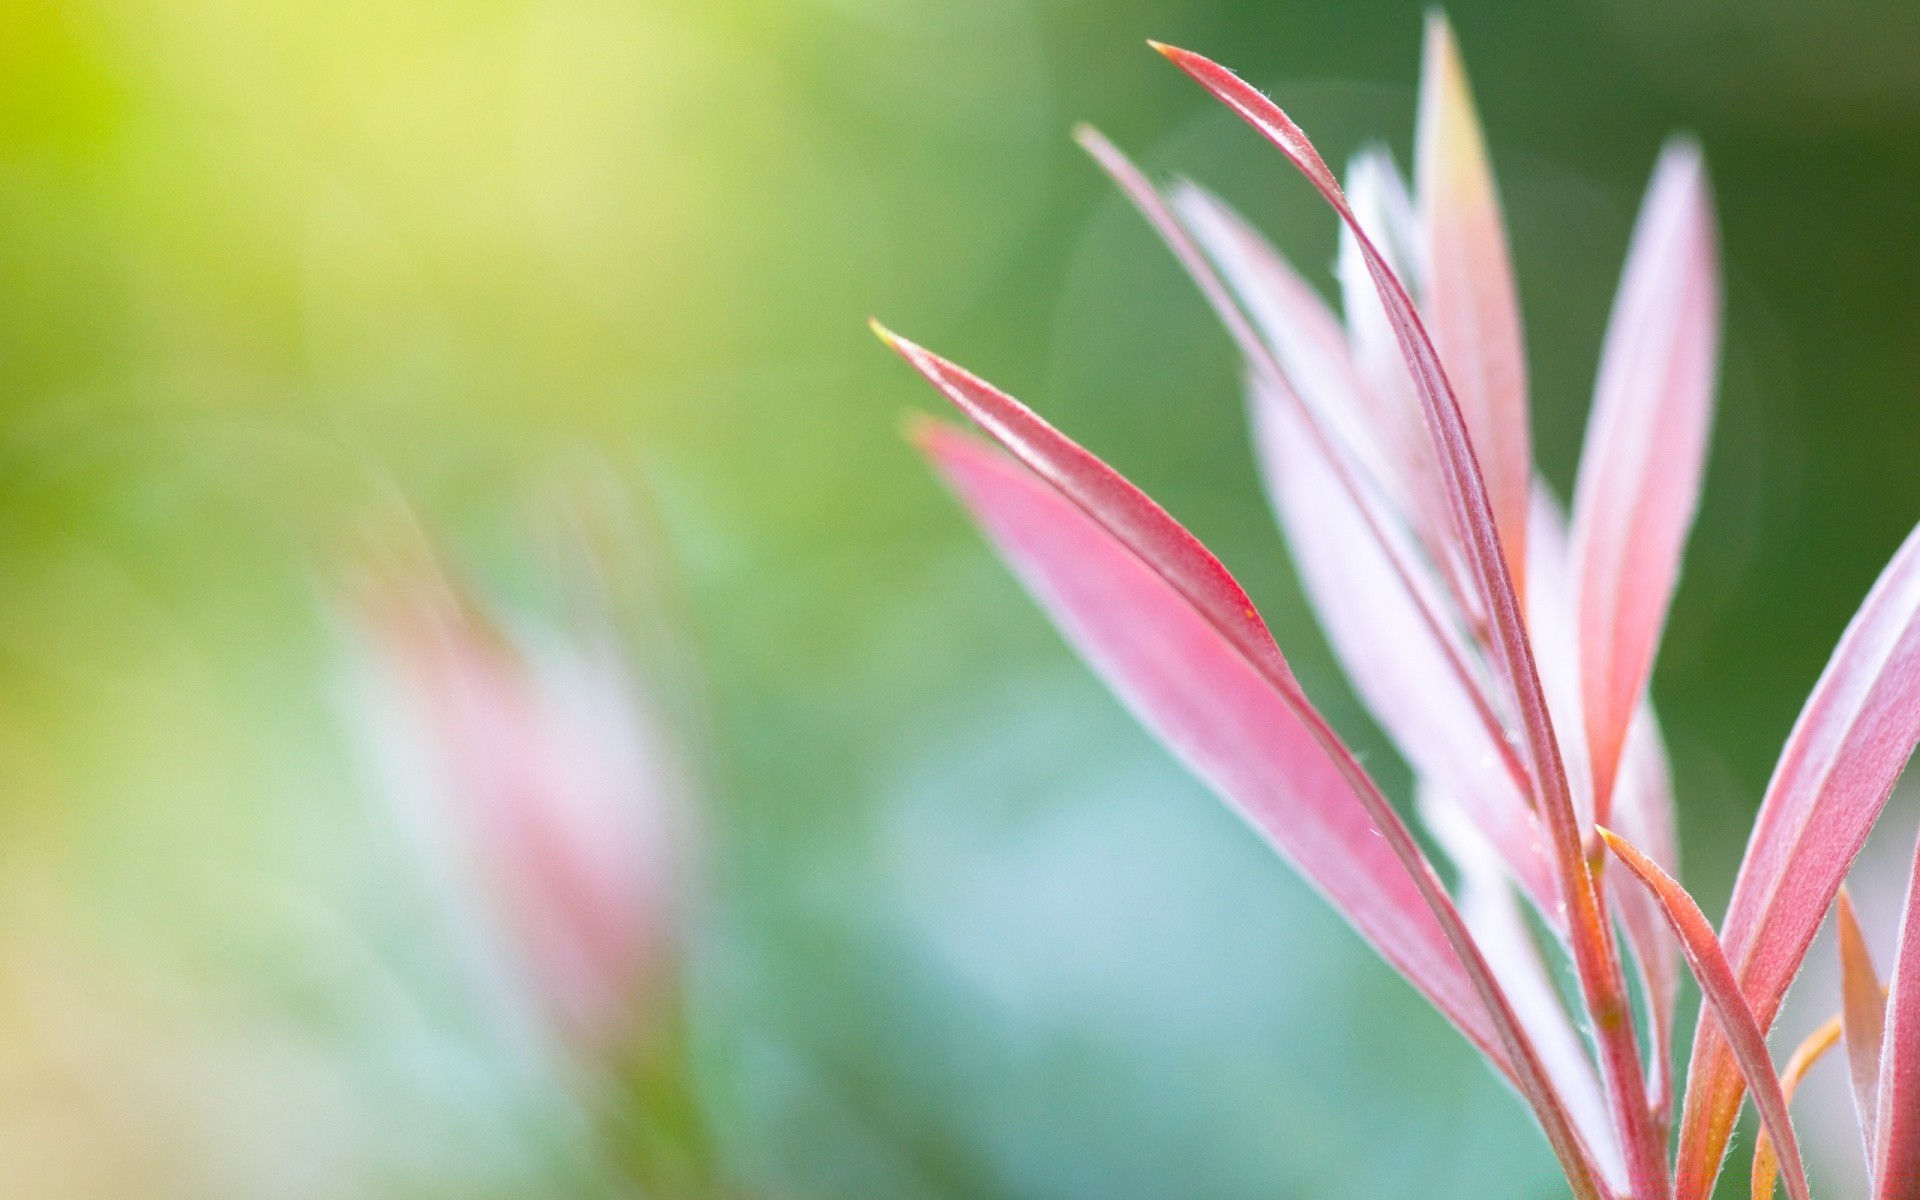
<point>1507,655</point>
<point>552,789</point>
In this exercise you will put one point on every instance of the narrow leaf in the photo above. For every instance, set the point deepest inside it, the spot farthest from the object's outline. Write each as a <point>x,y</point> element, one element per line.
<point>1863,1013</point>
<point>1896,1170</point>
<point>1202,697</point>
<point>1295,352</point>
<point>1840,763</point>
<point>1640,467</point>
<point>1766,1160</point>
<point>1257,742</point>
<point>1724,1001</point>
<point>1470,302</point>
<point>1603,986</point>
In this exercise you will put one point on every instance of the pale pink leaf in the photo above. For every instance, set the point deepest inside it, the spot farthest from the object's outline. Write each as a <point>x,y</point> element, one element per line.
<point>1645,450</point>
<point>1846,751</point>
<point>1897,1131</point>
<point>1469,300</point>
<point>1305,337</point>
<point>1400,671</point>
<point>1382,208</point>
<point>1724,1004</point>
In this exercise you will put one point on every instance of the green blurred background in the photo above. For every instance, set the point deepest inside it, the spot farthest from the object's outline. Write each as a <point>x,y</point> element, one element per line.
<point>270,269</point>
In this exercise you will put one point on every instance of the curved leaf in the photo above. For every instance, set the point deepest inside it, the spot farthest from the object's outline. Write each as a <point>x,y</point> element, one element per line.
<point>1258,742</point>
<point>1840,763</point>
<point>1603,986</point>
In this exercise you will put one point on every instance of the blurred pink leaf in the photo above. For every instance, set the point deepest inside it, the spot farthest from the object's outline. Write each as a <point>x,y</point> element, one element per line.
<point>536,765</point>
<point>1469,299</point>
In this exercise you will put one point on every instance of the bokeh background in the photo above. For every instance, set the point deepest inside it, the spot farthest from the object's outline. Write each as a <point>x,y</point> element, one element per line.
<point>273,272</point>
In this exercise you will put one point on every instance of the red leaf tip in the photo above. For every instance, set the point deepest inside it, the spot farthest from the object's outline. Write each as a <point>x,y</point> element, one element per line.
<point>883,333</point>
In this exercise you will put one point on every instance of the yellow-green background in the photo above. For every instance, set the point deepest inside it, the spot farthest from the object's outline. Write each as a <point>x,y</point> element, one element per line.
<point>270,270</point>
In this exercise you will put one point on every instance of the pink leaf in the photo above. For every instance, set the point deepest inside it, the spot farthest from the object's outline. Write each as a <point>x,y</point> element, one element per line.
<point>1897,1131</point>
<point>1724,1002</point>
<point>1863,1016</point>
<point>1839,766</point>
<point>1202,697</point>
<point>1639,481</point>
<point>1383,208</point>
<point>1253,737</point>
<point>1470,302</point>
<point>1603,987</point>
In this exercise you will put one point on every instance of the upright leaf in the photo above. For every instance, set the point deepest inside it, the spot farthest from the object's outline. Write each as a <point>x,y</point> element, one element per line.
<point>1640,467</point>
<point>1724,1003</point>
<point>1470,303</point>
<point>1840,763</point>
<point>1896,1157</point>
